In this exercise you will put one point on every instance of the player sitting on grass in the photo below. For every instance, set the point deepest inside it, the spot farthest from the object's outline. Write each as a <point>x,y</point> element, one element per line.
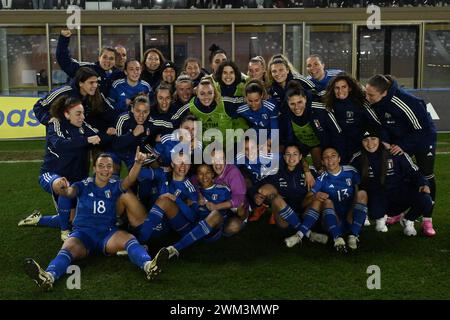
<point>336,195</point>
<point>94,224</point>
<point>286,191</point>
<point>210,217</point>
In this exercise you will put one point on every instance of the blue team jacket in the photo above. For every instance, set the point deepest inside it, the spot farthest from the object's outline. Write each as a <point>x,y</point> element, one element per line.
<point>67,149</point>
<point>405,120</point>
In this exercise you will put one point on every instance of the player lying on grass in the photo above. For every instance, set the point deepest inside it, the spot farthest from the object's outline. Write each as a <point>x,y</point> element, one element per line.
<point>94,224</point>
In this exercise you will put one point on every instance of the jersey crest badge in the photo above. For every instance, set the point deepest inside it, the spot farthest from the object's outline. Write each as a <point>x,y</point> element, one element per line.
<point>108,194</point>
<point>215,196</point>
<point>317,123</point>
<point>390,164</point>
<point>348,181</point>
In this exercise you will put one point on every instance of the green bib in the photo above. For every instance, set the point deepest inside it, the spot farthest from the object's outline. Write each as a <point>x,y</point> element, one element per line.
<point>305,134</point>
<point>217,119</point>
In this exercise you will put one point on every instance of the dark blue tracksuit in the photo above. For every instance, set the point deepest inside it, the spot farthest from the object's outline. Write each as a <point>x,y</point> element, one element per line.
<point>400,190</point>
<point>100,121</point>
<point>70,66</point>
<point>278,93</point>
<point>406,123</point>
<point>291,185</point>
<point>325,129</point>
<point>66,155</point>
<point>352,118</point>
<point>67,150</point>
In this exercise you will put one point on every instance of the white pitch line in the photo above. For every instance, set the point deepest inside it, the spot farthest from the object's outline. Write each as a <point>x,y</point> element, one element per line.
<point>19,161</point>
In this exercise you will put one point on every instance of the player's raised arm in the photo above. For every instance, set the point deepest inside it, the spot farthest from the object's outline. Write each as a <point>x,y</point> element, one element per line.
<point>134,172</point>
<point>62,187</point>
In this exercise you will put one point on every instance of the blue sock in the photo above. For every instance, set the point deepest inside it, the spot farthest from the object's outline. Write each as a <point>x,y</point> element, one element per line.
<point>201,230</point>
<point>145,230</point>
<point>64,206</point>
<point>180,224</point>
<point>137,254</point>
<point>359,216</point>
<point>332,222</point>
<point>58,266</point>
<point>49,221</point>
<point>310,219</point>
<point>291,217</point>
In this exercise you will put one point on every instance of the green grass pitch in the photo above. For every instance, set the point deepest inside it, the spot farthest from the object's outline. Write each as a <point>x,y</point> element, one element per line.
<point>254,264</point>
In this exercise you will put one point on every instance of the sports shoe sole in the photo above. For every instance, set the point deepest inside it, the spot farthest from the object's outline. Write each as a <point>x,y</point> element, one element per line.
<point>30,220</point>
<point>157,263</point>
<point>33,270</point>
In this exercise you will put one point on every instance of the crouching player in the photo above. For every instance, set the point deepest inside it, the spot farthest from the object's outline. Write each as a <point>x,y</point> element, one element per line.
<point>94,224</point>
<point>336,195</point>
<point>286,191</point>
<point>393,184</point>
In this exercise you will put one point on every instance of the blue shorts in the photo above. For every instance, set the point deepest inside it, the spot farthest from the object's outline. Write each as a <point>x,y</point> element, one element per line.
<point>93,239</point>
<point>161,228</point>
<point>342,210</point>
<point>46,180</point>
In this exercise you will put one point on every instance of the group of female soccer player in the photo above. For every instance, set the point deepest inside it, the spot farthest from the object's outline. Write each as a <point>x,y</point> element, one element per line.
<point>118,111</point>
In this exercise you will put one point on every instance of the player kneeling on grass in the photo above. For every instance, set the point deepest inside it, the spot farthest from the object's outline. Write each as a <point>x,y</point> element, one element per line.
<point>68,139</point>
<point>286,191</point>
<point>94,224</point>
<point>336,195</point>
<point>393,184</point>
<point>210,217</point>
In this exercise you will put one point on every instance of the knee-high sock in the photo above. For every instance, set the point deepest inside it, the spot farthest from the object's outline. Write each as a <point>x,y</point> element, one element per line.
<point>311,217</point>
<point>422,205</point>
<point>201,230</point>
<point>359,216</point>
<point>64,206</point>
<point>291,217</point>
<point>137,254</point>
<point>49,221</point>
<point>58,266</point>
<point>332,222</point>
<point>145,230</point>
<point>180,223</point>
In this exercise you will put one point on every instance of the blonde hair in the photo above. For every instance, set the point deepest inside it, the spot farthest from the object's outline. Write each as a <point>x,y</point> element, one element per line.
<point>209,80</point>
<point>277,59</point>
